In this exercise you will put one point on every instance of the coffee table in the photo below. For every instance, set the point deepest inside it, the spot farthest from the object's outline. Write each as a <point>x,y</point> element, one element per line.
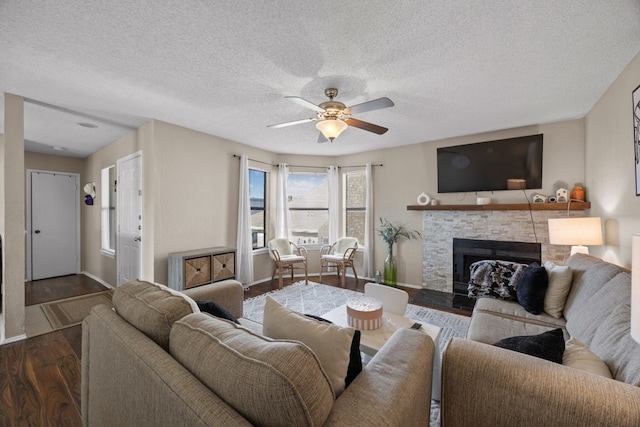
<point>371,341</point>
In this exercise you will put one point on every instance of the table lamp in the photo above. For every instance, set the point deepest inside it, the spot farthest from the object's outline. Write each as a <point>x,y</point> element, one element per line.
<point>577,232</point>
<point>635,288</point>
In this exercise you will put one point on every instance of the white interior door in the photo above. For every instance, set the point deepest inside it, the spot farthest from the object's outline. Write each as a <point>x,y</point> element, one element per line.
<point>129,218</point>
<point>55,224</point>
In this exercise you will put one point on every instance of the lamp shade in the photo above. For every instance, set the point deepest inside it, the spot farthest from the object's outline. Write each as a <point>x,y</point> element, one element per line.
<point>575,231</point>
<point>635,288</point>
<point>578,232</point>
<point>331,128</point>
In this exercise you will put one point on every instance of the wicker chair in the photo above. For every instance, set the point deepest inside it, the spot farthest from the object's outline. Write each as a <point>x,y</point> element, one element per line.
<point>340,254</point>
<point>287,256</point>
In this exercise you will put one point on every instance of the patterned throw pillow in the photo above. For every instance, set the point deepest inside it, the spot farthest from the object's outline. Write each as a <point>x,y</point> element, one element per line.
<point>495,279</point>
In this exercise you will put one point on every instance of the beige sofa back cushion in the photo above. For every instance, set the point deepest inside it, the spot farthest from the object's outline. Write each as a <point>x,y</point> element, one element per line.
<point>613,344</point>
<point>271,383</point>
<point>330,343</point>
<point>586,319</point>
<point>152,308</point>
<point>589,275</point>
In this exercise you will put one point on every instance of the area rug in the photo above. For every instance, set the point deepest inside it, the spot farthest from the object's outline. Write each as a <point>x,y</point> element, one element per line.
<point>318,299</point>
<point>69,312</point>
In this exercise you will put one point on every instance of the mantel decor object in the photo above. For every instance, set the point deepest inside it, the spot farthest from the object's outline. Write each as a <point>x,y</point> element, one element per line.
<point>577,194</point>
<point>423,199</point>
<point>392,233</point>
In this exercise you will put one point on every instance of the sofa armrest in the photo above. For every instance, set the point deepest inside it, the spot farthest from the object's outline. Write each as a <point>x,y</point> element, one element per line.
<point>394,389</point>
<point>487,385</point>
<point>228,293</point>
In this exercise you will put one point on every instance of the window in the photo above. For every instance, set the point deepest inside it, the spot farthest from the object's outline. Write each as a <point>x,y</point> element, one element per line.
<point>108,205</point>
<point>308,207</point>
<point>257,194</point>
<point>355,204</point>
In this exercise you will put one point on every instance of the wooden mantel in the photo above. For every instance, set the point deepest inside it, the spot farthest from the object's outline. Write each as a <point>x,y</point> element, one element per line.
<point>504,207</point>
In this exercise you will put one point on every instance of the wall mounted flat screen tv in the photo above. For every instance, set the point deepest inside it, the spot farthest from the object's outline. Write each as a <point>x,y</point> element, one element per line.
<point>506,164</point>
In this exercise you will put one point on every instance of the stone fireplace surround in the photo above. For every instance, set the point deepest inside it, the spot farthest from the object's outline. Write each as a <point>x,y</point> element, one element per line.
<point>441,226</point>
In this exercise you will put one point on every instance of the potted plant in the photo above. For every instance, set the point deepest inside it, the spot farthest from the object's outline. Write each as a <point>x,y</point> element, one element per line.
<point>392,233</point>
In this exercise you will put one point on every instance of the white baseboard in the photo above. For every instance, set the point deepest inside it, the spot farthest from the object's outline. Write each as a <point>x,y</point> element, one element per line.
<point>13,339</point>
<point>97,279</point>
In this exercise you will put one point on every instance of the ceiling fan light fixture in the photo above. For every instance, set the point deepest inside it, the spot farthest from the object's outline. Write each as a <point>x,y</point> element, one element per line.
<point>331,128</point>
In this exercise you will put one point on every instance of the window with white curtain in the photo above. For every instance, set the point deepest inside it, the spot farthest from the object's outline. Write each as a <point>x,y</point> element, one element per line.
<point>258,199</point>
<point>308,196</point>
<point>354,205</point>
<point>108,210</point>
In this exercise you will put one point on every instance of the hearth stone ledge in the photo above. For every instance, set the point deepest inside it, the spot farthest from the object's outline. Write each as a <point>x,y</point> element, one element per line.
<point>440,227</point>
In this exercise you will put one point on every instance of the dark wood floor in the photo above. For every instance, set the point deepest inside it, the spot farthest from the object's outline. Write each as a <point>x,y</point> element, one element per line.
<point>40,377</point>
<point>41,291</point>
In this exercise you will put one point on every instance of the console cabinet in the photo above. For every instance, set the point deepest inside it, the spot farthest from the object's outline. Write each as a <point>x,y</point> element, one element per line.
<point>201,266</point>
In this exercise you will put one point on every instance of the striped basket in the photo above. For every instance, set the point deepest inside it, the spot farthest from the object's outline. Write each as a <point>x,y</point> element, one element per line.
<point>364,313</point>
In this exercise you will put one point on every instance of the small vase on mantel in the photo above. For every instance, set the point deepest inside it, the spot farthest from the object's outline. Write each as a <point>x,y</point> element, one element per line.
<point>391,269</point>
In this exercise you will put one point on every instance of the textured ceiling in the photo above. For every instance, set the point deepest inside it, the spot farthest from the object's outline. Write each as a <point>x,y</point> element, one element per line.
<point>223,67</point>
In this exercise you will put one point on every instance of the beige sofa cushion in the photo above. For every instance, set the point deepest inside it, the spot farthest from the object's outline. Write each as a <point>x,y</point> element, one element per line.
<point>578,356</point>
<point>586,319</point>
<point>512,309</point>
<point>489,328</point>
<point>152,308</point>
<point>614,345</point>
<point>558,289</point>
<point>331,343</point>
<point>589,274</point>
<point>271,383</point>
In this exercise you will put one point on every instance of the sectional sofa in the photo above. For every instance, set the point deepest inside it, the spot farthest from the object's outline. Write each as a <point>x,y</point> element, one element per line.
<point>156,360</point>
<point>486,385</point>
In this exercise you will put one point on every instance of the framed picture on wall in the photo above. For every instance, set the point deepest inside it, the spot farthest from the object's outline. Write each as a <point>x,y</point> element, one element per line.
<point>636,135</point>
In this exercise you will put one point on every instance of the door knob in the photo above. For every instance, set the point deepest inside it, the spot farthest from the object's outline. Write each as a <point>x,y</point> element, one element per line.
<point>37,231</point>
<point>137,239</point>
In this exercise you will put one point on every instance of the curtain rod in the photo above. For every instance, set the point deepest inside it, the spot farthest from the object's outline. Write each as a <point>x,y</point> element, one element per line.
<point>301,166</point>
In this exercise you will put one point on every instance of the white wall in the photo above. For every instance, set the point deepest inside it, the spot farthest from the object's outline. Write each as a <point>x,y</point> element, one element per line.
<point>610,167</point>
<point>12,219</point>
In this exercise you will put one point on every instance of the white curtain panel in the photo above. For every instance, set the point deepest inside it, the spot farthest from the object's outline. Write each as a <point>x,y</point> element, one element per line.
<point>332,177</point>
<point>282,203</point>
<point>244,244</point>
<point>368,259</point>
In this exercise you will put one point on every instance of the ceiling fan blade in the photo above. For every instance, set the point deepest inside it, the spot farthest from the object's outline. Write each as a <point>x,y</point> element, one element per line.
<point>322,138</point>
<point>366,126</point>
<point>305,103</point>
<point>375,104</point>
<point>297,122</point>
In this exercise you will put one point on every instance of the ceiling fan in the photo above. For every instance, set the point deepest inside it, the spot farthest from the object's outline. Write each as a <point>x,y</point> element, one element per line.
<point>333,117</point>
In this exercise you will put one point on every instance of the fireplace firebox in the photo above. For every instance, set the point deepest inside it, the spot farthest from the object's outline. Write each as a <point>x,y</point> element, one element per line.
<point>468,251</point>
